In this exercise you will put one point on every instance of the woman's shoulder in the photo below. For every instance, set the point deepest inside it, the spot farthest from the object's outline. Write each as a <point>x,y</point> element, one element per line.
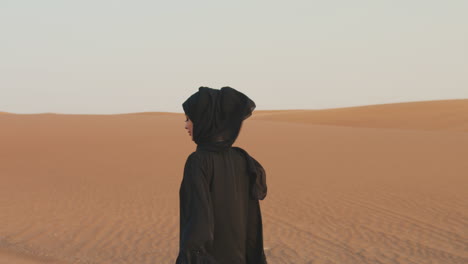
<point>240,150</point>
<point>198,157</point>
<point>194,156</point>
<point>200,154</point>
<point>204,156</point>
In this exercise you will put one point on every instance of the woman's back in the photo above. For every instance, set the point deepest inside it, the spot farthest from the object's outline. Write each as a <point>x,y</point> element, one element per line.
<point>229,187</point>
<point>236,220</point>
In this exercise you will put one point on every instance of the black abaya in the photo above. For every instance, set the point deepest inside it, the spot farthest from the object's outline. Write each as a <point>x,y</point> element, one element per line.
<point>220,217</point>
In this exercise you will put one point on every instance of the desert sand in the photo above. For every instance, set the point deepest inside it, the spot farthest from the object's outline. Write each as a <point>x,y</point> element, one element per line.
<point>373,184</point>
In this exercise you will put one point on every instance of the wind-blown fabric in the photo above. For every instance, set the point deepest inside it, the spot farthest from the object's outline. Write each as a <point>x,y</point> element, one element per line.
<point>220,216</point>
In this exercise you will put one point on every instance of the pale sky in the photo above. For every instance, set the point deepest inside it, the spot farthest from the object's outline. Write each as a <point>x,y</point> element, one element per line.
<point>110,56</point>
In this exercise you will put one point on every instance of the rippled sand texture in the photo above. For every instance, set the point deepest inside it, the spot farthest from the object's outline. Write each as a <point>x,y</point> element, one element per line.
<point>372,184</point>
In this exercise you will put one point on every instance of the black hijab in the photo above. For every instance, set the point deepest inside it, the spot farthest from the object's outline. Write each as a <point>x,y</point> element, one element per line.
<point>217,117</point>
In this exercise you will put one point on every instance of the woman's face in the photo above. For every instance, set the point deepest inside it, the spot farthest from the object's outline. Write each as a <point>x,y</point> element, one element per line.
<point>189,126</point>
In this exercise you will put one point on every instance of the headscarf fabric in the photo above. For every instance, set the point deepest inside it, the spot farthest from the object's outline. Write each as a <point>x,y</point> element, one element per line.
<point>217,115</point>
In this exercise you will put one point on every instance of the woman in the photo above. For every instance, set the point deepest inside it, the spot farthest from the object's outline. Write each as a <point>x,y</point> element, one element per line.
<point>220,219</point>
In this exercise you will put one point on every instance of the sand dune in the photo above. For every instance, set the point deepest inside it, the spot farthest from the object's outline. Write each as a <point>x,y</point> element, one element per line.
<point>371,184</point>
<point>448,115</point>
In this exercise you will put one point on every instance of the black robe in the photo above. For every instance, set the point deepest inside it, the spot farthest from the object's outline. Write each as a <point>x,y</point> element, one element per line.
<point>220,220</point>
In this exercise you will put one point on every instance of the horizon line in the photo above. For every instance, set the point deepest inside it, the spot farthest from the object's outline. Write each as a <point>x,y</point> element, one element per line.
<point>263,110</point>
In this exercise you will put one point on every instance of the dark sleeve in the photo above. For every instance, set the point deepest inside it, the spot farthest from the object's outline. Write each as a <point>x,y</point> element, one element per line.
<point>196,215</point>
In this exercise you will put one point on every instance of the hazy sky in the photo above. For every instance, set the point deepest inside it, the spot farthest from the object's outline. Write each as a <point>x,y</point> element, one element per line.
<point>110,56</point>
